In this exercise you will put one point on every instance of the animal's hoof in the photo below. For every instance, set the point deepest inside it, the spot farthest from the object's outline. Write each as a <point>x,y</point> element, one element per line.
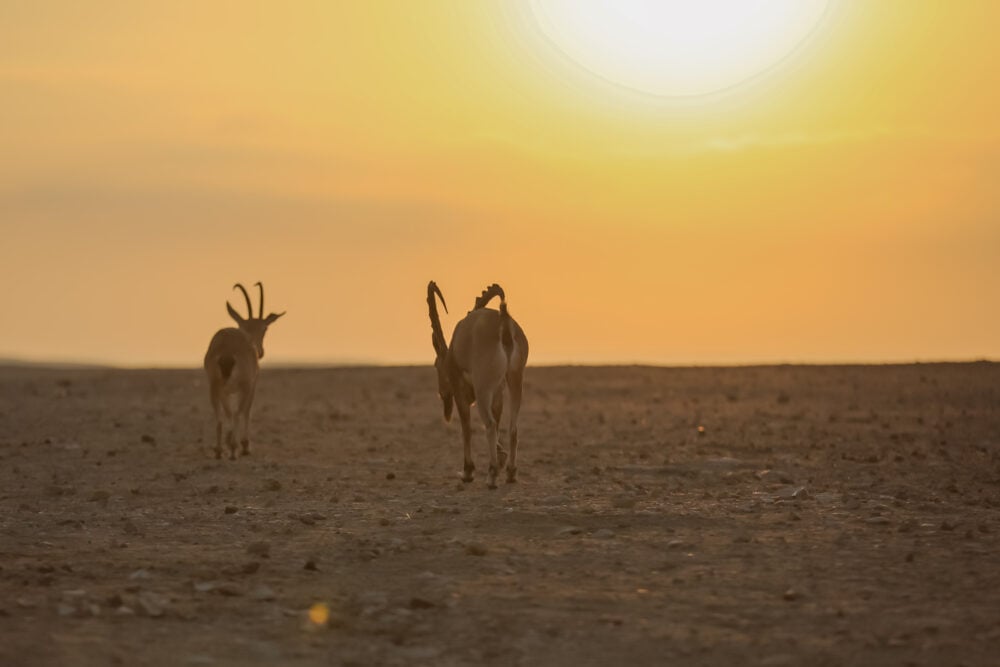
<point>492,486</point>
<point>501,457</point>
<point>492,479</point>
<point>511,475</point>
<point>218,455</point>
<point>467,478</point>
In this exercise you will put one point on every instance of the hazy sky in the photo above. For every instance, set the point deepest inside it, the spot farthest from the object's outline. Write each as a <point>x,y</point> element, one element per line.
<point>842,206</point>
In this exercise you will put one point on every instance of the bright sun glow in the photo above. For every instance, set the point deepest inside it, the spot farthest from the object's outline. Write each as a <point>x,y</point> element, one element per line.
<point>678,47</point>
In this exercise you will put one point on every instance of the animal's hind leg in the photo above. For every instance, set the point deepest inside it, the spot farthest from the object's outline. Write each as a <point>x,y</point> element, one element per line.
<point>486,414</point>
<point>220,409</point>
<point>463,415</point>
<point>514,387</point>
<point>243,419</point>
<point>497,413</point>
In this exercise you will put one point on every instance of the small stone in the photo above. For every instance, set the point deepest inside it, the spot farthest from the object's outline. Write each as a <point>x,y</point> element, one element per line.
<point>262,594</point>
<point>139,574</point>
<point>421,603</point>
<point>100,496</point>
<point>790,595</point>
<point>229,589</point>
<point>390,475</point>
<point>261,549</point>
<point>475,549</point>
<point>310,565</point>
<point>792,493</point>
<point>230,509</point>
<point>148,439</point>
<point>678,544</point>
<point>604,534</point>
<point>151,604</point>
<point>569,530</point>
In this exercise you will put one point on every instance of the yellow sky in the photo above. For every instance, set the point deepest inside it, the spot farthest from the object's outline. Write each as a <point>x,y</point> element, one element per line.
<point>844,206</point>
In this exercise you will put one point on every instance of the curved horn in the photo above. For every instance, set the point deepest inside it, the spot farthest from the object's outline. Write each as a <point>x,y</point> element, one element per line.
<point>488,294</point>
<point>247,297</point>
<point>260,311</point>
<point>437,335</point>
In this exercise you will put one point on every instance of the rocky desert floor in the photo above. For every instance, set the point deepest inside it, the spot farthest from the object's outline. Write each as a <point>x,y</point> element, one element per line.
<point>787,515</point>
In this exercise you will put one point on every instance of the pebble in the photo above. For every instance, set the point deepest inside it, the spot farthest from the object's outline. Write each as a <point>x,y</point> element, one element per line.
<point>263,594</point>
<point>569,530</point>
<point>262,549</point>
<point>792,493</point>
<point>475,549</point>
<point>152,604</point>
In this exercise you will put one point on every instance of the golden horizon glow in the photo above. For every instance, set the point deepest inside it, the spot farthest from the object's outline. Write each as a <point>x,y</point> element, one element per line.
<point>841,207</point>
<point>677,47</point>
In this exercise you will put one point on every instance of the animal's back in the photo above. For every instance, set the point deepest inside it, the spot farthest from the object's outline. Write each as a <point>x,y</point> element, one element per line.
<point>229,349</point>
<point>485,333</point>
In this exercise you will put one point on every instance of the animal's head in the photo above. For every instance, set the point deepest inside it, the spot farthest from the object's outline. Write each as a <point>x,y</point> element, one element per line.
<point>253,327</point>
<point>445,390</point>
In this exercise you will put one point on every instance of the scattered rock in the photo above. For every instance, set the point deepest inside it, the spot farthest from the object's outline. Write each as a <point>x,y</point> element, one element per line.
<point>148,439</point>
<point>678,544</point>
<point>792,493</point>
<point>790,595</point>
<point>390,475</point>
<point>230,509</point>
<point>262,594</point>
<point>421,603</point>
<point>310,565</point>
<point>475,549</point>
<point>261,549</point>
<point>151,604</point>
<point>569,530</point>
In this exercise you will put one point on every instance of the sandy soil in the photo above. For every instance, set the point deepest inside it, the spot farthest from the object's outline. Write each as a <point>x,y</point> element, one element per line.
<point>825,516</point>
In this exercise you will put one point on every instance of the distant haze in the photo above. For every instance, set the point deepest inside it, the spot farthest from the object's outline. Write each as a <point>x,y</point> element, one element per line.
<point>842,207</point>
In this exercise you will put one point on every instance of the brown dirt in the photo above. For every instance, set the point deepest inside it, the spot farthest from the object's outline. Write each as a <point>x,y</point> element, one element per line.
<point>826,516</point>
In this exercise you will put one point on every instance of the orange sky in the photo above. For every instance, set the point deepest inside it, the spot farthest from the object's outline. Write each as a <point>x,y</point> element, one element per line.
<point>843,206</point>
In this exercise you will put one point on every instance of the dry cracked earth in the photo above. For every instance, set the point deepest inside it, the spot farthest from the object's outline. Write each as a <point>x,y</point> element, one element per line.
<point>684,516</point>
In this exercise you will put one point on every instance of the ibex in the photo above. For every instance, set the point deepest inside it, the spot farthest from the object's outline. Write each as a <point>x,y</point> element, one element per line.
<point>231,364</point>
<point>488,351</point>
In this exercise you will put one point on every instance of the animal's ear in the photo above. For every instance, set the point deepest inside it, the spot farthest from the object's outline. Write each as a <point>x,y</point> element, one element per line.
<point>233,314</point>
<point>270,319</point>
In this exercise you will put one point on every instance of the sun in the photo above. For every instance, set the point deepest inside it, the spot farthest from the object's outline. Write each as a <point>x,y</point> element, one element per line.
<point>678,47</point>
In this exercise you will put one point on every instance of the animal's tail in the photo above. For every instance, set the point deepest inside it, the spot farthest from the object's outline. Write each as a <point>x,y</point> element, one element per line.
<point>506,329</point>
<point>226,364</point>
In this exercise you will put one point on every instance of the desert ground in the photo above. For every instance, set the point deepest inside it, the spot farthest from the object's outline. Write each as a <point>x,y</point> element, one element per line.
<point>788,515</point>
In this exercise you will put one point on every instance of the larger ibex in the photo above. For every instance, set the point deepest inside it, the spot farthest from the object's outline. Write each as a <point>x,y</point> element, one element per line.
<point>488,352</point>
<point>231,364</point>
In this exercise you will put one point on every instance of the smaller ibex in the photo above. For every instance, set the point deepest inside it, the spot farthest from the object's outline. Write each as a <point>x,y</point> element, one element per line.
<point>231,364</point>
<point>488,352</point>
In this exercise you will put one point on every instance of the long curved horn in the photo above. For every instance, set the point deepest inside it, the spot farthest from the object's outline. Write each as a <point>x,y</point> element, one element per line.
<point>488,294</point>
<point>247,297</point>
<point>437,335</point>
<point>260,312</point>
